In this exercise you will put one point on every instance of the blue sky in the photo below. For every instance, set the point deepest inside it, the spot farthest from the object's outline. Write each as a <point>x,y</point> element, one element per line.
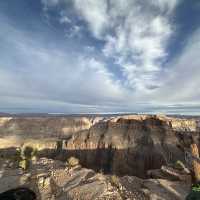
<point>100,56</point>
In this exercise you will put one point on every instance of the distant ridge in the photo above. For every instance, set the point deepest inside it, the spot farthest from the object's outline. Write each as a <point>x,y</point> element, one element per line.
<point>3,114</point>
<point>62,114</point>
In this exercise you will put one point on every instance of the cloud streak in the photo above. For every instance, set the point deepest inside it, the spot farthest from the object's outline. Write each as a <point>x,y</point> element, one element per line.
<point>52,75</point>
<point>181,80</point>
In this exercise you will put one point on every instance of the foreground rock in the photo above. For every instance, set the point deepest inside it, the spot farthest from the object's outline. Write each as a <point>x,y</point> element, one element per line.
<point>55,180</point>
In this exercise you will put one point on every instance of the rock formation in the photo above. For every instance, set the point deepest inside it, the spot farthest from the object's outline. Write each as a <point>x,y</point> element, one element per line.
<point>122,145</point>
<point>112,150</point>
<point>55,180</point>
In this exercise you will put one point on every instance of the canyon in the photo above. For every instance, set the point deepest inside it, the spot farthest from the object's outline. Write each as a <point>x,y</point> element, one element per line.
<point>122,146</point>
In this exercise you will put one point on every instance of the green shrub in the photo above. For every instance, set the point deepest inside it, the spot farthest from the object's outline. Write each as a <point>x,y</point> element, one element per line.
<point>196,187</point>
<point>24,164</point>
<point>195,192</point>
<point>179,164</point>
<point>17,155</point>
<point>25,155</point>
<point>115,181</point>
<point>34,153</point>
<point>27,152</point>
<point>72,161</point>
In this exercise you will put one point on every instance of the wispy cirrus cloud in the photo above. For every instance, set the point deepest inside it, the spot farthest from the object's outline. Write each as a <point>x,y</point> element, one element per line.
<point>181,79</point>
<point>135,35</point>
<point>39,74</point>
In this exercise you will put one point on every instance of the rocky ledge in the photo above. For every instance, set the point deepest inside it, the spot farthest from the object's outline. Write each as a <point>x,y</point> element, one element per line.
<point>55,180</point>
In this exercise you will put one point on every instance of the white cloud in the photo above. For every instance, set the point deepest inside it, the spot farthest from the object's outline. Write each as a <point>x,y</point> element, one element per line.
<point>73,31</point>
<point>135,35</point>
<point>49,3</point>
<point>165,5</point>
<point>181,81</point>
<point>39,76</point>
<point>94,12</point>
<point>64,20</point>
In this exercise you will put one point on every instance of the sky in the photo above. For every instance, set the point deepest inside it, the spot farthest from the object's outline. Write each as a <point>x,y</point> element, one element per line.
<point>100,56</point>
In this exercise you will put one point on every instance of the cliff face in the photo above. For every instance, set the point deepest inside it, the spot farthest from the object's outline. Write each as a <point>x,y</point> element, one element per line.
<point>40,127</point>
<point>126,146</point>
<point>121,145</point>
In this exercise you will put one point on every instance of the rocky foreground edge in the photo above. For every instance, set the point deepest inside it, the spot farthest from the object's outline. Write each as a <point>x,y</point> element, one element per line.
<point>56,180</point>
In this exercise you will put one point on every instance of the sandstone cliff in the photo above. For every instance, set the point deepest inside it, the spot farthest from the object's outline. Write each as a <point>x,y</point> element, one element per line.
<point>121,145</point>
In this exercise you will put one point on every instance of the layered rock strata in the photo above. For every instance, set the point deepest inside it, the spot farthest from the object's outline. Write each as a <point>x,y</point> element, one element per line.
<point>122,145</point>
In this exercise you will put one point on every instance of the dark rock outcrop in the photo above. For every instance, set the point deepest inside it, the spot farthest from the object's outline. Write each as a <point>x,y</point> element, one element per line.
<point>18,194</point>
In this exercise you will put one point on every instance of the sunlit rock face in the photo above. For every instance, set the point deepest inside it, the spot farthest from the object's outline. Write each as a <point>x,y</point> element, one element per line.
<point>126,146</point>
<point>121,145</point>
<point>39,127</point>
